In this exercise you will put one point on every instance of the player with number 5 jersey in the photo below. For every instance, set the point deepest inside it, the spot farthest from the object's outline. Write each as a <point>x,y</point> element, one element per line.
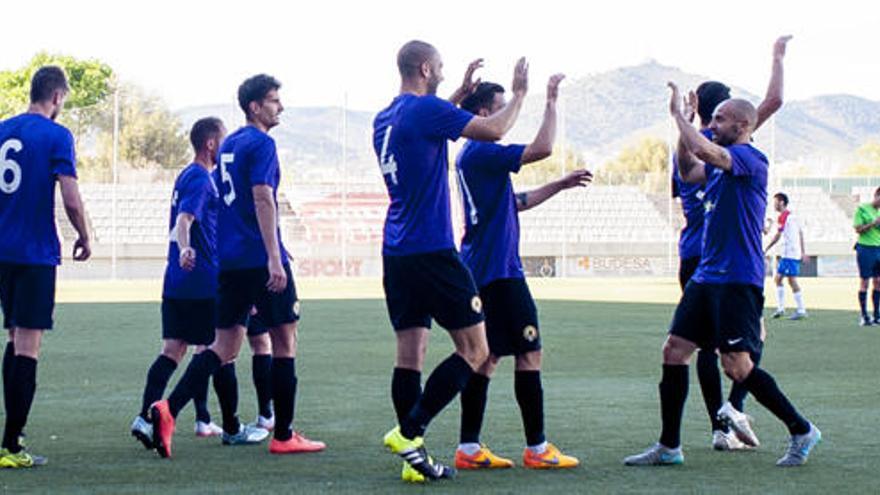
<point>254,272</point>
<point>35,153</point>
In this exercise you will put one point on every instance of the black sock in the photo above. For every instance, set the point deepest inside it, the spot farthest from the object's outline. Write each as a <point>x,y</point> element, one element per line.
<point>473,405</point>
<point>157,379</point>
<point>673,394</point>
<point>863,302</point>
<point>284,393</point>
<point>767,392</point>
<point>195,378</point>
<point>530,397</point>
<point>200,402</point>
<point>738,390</point>
<point>261,367</point>
<point>406,388</point>
<point>8,357</point>
<point>226,388</point>
<point>710,383</point>
<point>875,298</point>
<point>445,382</point>
<point>23,378</point>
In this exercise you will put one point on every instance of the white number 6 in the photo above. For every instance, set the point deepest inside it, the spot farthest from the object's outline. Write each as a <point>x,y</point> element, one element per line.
<point>10,165</point>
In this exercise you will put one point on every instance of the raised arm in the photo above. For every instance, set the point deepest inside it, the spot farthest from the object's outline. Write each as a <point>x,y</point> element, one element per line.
<point>468,85</point>
<point>530,199</point>
<point>773,99</point>
<point>705,150</point>
<point>542,146</point>
<point>267,218</point>
<point>495,126</point>
<point>76,213</point>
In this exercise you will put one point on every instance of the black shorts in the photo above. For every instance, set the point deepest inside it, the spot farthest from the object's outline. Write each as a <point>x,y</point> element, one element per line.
<point>686,269</point>
<point>726,317</point>
<point>27,294</point>
<point>255,325</point>
<point>434,285</point>
<point>511,317</point>
<point>190,320</point>
<point>240,290</point>
<point>868,259</point>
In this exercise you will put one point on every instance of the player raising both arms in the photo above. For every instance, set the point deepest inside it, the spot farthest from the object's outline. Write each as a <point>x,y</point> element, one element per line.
<point>722,304</point>
<point>35,152</point>
<point>424,277</point>
<point>490,249</point>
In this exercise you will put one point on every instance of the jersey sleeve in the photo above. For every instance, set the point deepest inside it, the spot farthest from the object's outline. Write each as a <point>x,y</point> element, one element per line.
<point>782,221</point>
<point>860,218</point>
<point>264,163</point>
<point>742,162</point>
<point>194,195</point>
<point>440,119</point>
<point>63,157</point>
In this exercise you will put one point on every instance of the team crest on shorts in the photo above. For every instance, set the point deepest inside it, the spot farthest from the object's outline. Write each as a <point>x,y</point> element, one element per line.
<point>476,304</point>
<point>296,308</point>
<point>530,333</point>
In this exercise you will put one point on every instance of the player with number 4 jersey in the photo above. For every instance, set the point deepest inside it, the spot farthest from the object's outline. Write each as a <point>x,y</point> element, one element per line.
<point>35,153</point>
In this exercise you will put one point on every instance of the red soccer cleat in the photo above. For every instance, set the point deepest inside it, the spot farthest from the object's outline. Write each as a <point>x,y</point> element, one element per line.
<point>295,444</point>
<point>163,427</point>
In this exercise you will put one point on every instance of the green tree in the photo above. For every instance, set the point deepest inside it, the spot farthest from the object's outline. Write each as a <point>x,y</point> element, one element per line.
<point>91,82</point>
<point>650,155</point>
<point>149,134</point>
<point>549,169</point>
<point>867,160</point>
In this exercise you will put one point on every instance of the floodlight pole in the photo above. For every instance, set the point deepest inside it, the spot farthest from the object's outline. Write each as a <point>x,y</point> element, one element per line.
<point>115,180</point>
<point>345,185</point>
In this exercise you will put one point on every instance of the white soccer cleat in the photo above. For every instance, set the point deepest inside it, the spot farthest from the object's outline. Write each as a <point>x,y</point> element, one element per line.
<point>207,429</point>
<point>265,423</point>
<point>656,455</point>
<point>739,423</point>
<point>799,448</point>
<point>247,435</point>
<point>142,430</point>
<point>726,441</point>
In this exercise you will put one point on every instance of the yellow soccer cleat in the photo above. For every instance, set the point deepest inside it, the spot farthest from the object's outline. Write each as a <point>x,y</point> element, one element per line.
<point>482,459</point>
<point>399,444</point>
<point>410,475</point>
<point>21,459</point>
<point>552,458</point>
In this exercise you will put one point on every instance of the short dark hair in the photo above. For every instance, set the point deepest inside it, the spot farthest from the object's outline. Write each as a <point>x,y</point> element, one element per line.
<point>255,88</point>
<point>203,130</point>
<point>482,97</point>
<point>782,197</point>
<point>710,95</point>
<point>46,81</point>
<point>411,57</point>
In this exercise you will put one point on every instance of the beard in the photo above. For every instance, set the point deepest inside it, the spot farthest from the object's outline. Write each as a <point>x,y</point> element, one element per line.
<point>433,84</point>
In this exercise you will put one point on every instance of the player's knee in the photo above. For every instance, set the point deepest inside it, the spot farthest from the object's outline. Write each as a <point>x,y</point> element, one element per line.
<point>174,350</point>
<point>476,353</point>
<point>674,352</point>
<point>736,368</point>
<point>530,361</point>
<point>489,365</point>
<point>260,344</point>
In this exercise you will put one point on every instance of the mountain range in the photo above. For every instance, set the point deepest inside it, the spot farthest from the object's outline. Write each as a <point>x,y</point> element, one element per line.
<point>602,114</point>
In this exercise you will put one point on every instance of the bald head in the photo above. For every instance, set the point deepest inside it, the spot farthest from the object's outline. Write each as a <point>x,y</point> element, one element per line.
<point>411,57</point>
<point>741,111</point>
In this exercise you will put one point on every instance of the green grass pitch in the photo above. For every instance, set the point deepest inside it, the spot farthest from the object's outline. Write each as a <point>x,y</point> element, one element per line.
<point>601,372</point>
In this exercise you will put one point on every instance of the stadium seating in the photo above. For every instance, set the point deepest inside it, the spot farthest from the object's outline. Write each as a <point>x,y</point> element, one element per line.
<point>821,218</point>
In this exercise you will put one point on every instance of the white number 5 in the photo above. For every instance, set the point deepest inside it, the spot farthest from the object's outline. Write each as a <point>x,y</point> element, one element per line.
<point>225,176</point>
<point>9,165</point>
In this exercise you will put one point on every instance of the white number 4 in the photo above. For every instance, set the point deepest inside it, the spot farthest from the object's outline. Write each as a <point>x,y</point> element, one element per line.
<point>10,165</point>
<point>225,176</point>
<point>387,164</point>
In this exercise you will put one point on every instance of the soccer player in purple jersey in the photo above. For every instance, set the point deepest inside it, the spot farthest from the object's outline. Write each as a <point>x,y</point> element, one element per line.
<point>35,153</point>
<point>190,285</point>
<point>722,304</point>
<point>254,272</point>
<point>490,248</point>
<point>424,277</point>
<point>709,95</point>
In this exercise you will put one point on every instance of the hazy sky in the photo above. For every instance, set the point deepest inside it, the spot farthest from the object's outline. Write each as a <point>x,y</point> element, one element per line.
<point>197,52</point>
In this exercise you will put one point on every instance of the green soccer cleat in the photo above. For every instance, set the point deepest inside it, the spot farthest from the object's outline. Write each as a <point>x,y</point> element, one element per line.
<point>416,456</point>
<point>20,459</point>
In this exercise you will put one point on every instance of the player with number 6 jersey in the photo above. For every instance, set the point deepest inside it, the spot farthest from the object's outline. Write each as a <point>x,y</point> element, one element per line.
<point>35,153</point>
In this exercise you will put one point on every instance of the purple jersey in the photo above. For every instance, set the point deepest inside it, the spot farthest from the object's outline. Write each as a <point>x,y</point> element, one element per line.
<point>34,151</point>
<point>194,193</point>
<point>247,158</point>
<point>691,239</point>
<point>490,246</point>
<point>734,204</point>
<point>409,138</point>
